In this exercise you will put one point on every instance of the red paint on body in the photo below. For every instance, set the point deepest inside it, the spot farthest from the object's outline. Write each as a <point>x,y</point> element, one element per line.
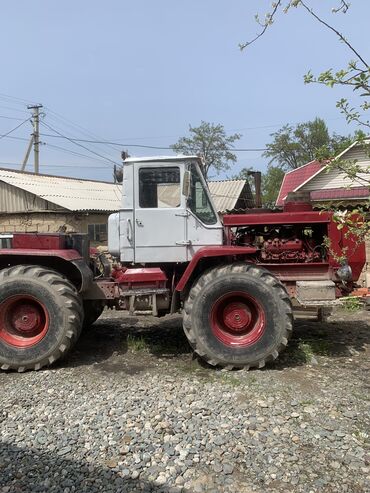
<point>306,217</point>
<point>212,251</point>
<point>38,241</point>
<point>151,274</point>
<point>64,254</point>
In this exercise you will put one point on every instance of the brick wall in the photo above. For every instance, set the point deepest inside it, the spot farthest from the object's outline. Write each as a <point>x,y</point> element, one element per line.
<point>49,222</point>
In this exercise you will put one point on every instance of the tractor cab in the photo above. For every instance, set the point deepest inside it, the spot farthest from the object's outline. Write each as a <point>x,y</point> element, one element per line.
<point>167,213</point>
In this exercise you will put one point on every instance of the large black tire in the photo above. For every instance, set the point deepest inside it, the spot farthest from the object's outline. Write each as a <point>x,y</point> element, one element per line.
<point>238,316</point>
<point>92,311</point>
<point>40,317</point>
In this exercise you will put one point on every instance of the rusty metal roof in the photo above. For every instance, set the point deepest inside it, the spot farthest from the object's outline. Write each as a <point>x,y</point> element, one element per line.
<point>73,194</point>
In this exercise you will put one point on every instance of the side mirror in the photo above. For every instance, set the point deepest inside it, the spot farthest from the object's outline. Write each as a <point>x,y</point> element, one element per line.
<point>186,184</point>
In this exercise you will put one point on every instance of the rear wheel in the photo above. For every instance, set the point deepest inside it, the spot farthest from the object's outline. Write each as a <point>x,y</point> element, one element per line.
<point>40,317</point>
<point>238,316</point>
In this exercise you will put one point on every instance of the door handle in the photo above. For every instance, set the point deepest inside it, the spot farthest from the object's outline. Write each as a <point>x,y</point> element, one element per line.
<point>129,230</point>
<point>185,242</point>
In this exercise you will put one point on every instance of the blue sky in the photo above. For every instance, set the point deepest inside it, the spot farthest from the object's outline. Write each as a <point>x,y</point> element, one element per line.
<point>139,72</point>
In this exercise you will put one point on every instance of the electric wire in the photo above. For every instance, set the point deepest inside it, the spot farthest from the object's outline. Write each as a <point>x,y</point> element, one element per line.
<point>73,152</point>
<point>233,149</point>
<point>76,142</point>
<point>24,139</point>
<point>10,118</point>
<point>70,123</point>
<point>60,166</point>
<point>14,129</point>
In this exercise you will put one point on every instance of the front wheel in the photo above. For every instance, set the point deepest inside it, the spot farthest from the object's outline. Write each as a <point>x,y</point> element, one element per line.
<point>40,317</point>
<point>238,316</point>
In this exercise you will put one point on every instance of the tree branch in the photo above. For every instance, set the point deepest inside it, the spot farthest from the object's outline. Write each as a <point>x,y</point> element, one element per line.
<point>267,23</point>
<point>341,37</point>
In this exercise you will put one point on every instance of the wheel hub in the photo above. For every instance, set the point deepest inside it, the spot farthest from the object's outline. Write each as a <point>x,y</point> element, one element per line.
<point>237,319</point>
<point>26,318</point>
<point>237,316</point>
<point>24,321</point>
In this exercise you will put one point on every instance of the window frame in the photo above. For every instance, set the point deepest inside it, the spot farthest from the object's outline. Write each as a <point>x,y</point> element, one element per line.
<point>95,225</point>
<point>194,170</point>
<point>162,168</point>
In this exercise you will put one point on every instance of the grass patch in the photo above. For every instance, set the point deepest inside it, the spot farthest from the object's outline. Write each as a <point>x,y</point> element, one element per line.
<point>171,346</point>
<point>136,343</point>
<point>362,436</point>
<point>307,402</point>
<point>228,379</point>
<point>320,347</point>
<point>352,304</point>
<point>305,351</point>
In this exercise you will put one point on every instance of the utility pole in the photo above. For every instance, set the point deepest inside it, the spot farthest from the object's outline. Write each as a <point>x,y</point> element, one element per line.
<point>35,138</point>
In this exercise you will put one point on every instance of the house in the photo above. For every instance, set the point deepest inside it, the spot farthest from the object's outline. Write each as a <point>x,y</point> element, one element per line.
<point>331,186</point>
<point>295,178</point>
<point>47,203</point>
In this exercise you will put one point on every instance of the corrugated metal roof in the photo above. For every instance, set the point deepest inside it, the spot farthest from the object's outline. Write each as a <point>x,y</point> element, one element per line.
<point>76,194</point>
<point>226,193</point>
<point>69,193</point>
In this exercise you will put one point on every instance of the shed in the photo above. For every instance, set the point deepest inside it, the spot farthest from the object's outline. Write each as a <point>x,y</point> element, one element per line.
<point>47,203</point>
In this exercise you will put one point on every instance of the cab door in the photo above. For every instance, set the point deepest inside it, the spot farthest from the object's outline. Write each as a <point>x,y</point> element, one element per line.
<point>160,213</point>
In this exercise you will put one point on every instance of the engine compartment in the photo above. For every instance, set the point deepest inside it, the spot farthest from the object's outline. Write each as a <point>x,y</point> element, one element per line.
<point>284,243</point>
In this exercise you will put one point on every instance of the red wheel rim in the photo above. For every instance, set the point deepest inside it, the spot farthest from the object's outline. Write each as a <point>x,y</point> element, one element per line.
<point>237,319</point>
<point>24,321</point>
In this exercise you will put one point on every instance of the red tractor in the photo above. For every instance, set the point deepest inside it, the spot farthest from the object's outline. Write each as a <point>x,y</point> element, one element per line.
<point>235,280</point>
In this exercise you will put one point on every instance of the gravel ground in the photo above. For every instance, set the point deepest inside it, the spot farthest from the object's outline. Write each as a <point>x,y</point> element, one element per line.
<point>131,410</point>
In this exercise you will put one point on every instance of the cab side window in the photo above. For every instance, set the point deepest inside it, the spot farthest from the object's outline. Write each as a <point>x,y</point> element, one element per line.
<point>159,187</point>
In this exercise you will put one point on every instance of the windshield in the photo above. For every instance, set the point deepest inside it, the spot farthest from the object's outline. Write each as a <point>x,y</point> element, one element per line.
<point>199,202</point>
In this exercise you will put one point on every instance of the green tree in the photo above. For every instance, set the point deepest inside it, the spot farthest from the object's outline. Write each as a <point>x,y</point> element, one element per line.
<point>293,147</point>
<point>270,183</point>
<point>211,143</point>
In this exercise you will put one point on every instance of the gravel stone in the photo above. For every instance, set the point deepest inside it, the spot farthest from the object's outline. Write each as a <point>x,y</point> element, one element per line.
<point>114,420</point>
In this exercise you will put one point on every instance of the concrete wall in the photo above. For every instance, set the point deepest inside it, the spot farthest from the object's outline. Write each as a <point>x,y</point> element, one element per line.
<point>50,222</point>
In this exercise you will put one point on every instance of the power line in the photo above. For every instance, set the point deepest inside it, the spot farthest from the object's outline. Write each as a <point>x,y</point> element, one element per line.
<point>60,166</point>
<point>76,142</point>
<point>122,144</point>
<point>12,109</point>
<point>10,118</point>
<point>73,152</point>
<point>15,100</point>
<point>74,125</point>
<point>17,138</point>
<point>14,129</point>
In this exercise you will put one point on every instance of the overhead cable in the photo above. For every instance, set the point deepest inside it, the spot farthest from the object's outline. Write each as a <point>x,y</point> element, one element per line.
<point>142,145</point>
<point>76,142</point>
<point>14,129</point>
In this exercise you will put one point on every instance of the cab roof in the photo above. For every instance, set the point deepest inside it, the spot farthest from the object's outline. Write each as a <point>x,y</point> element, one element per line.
<point>150,159</point>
